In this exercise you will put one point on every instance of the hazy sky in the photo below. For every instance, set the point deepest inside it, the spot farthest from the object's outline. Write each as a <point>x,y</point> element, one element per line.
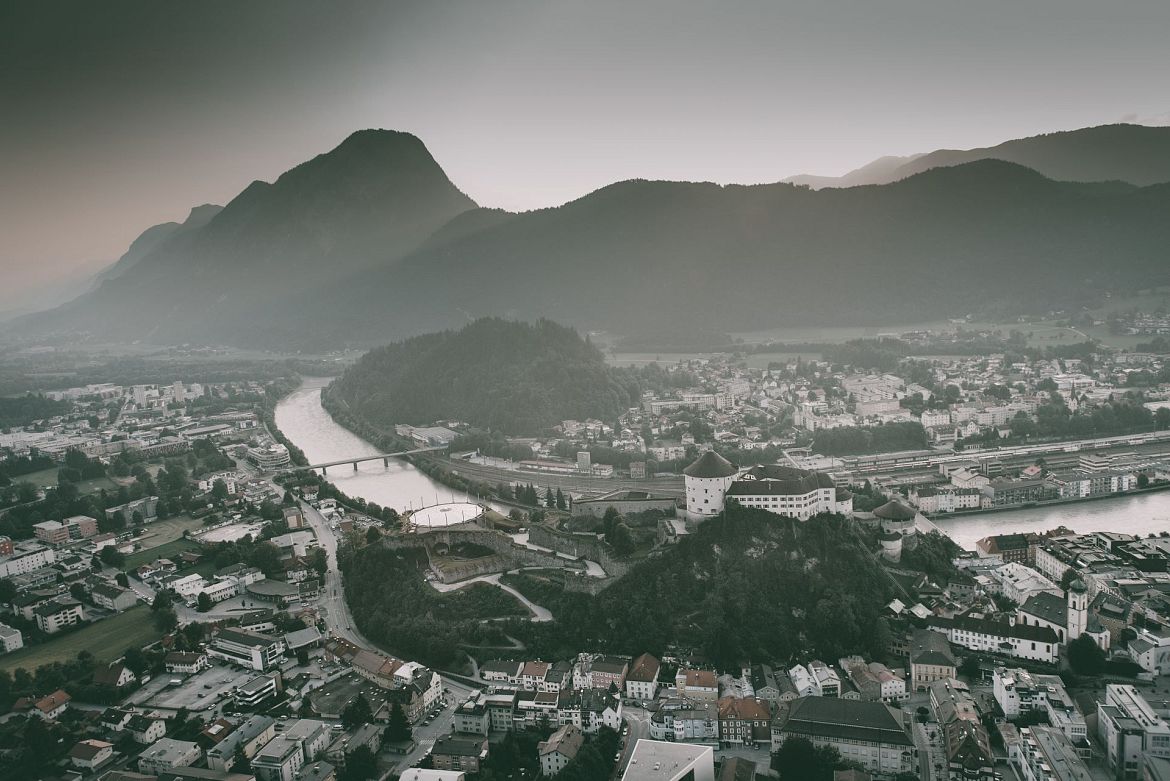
<point>118,115</point>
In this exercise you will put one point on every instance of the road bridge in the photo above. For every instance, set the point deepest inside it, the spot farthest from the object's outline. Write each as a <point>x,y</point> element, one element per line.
<point>383,457</point>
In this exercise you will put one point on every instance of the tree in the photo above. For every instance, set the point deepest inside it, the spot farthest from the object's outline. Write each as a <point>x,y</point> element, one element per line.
<point>360,765</point>
<point>219,490</point>
<point>970,667</point>
<point>357,712</point>
<point>1143,479</point>
<point>135,660</point>
<point>549,499</point>
<point>398,728</point>
<point>373,534</point>
<point>561,505</point>
<point>1085,656</point>
<point>7,591</point>
<point>319,561</point>
<point>165,620</point>
<point>112,557</point>
<point>1067,578</point>
<point>203,602</point>
<point>799,760</point>
<point>303,657</point>
<point>78,592</point>
<point>122,579</point>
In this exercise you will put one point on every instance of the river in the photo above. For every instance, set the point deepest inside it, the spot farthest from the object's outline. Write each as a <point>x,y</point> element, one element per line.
<point>1142,514</point>
<point>303,420</point>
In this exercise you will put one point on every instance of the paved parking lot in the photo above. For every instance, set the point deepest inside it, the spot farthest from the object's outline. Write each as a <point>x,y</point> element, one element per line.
<point>202,690</point>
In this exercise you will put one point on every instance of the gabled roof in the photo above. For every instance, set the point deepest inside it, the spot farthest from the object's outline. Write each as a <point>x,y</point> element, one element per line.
<point>643,669</point>
<point>832,717</point>
<point>1047,606</point>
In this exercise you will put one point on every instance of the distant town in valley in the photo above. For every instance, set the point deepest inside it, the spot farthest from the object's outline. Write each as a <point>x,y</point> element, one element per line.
<point>655,391</point>
<point>194,588</point>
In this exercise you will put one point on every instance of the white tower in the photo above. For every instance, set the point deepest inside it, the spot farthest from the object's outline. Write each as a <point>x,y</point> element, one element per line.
<point>1078,609</point>
<point>707,480</point>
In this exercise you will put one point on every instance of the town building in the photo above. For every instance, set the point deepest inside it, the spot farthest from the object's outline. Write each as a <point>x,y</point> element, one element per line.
<point>559,750</point>
<point>250,649</point>
<point>642,678</point>
<point>246,739</point>
<point>654,760</point>
<point>11,639</point>
<point>870,733</point>
<point>459,752</point>
<point>1129,728</point>
<point>1045,754</point>
<point>91,754</point>
<point>169,753</point>
<point>930,659</point>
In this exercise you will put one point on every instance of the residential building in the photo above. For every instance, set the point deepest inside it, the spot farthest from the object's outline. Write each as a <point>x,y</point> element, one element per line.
<point>471,715</point>
<point>458,752</point>
<point>51,707</point>
<point>685,721</point>
<point>114,675</point>
<point>1046,755</point>
<point>56,614</point>
<point>560,749</point>
<point>248,738</point>
<point>113,597</point>
<point>169,753</point>
<point>187,663</point>
<point>697,684</point>
<point>313,736</point>
<point>367,735</point>
<point>743,721</point>
<point>91,754</point>
<point>146,730</point>
<point>278,760</point>
<point>930,658</point>
<point>642,678</point>
<point>1130,728</point>
<point>258,689</point>
<point>11,639</point>
<point>870,733</point>
<point>654,760</point>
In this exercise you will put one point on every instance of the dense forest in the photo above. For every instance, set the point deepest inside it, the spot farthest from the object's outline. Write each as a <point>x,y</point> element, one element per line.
<point>396,608</point>
<point>747,585</point>
<point>22,410</point>
<point>852,440</point>
<point>495,374</point>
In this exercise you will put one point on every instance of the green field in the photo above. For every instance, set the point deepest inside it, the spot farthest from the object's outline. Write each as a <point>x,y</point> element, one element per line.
<point>47,478</point>
<point>107,640</point>
<point>170,550</point>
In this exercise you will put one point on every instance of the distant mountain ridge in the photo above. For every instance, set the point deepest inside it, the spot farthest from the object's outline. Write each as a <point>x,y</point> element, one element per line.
<point>1137,154</point>
<point>375,197</point>
<point>372,242</point>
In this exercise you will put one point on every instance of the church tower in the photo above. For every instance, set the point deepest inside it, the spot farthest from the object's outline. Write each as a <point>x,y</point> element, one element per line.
<point>1078,609</point>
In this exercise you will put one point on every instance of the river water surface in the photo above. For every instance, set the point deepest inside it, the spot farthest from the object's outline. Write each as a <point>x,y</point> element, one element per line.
<point>303,420</point>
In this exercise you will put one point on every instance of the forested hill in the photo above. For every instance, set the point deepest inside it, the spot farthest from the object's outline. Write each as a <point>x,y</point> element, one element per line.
<point>496,374</point>
<point>747,585</point>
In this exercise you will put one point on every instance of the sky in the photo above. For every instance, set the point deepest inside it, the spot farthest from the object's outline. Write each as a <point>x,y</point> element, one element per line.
<point>118,115</point>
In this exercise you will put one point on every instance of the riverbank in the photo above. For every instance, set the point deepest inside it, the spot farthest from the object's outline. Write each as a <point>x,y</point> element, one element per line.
<point>1049,503</point>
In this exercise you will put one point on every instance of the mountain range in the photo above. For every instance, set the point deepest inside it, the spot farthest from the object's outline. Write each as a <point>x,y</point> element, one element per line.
<point>372,242</point>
